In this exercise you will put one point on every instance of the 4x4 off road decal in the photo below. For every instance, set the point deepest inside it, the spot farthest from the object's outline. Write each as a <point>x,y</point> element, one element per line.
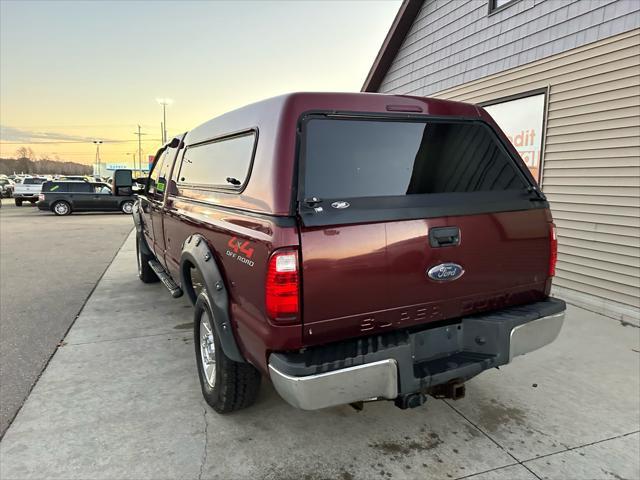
<point>240,250</point>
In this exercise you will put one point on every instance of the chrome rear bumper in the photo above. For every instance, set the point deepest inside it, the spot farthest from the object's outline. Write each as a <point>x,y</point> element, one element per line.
<point>347,385</point>
<point>407,368</point>
<point>535,334</point>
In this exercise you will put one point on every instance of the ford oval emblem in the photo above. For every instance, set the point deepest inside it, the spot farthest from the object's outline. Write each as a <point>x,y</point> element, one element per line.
<point>445,272</point>
<point>340,205</point>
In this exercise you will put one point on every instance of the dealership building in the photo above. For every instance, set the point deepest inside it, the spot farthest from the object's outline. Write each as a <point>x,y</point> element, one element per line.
<point>562,79</point>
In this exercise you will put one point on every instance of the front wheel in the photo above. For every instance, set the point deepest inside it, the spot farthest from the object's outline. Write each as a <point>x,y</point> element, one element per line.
<point>61,208</point>
<point>18,202</point>
<point>226,385</point>
<point>127,207</point>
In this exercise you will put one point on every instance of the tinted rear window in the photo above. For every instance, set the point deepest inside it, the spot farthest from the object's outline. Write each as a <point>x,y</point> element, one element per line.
<point>223,163</point>
<point>54,187</point>
<point>73,187</point>
<point>348,158</point>
<point>34,181</point>
<point>80,187</point>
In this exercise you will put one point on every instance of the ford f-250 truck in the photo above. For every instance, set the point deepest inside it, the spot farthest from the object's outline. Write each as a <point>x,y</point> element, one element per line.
<point>350,247</point>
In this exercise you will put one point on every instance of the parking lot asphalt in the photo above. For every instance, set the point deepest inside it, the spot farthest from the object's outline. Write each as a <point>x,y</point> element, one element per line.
<point>121,399</point>
<point>48,267</point>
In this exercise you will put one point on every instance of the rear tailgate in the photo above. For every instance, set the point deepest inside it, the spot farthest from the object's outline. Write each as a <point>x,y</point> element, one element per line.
<point>406,222</point>
<point>29,187</point>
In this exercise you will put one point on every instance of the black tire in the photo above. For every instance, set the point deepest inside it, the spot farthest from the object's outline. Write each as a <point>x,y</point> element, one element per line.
<point>145,272</point>
<point>236,385</point>
<point>61,208</point>
<point>127,207</point>
<point>18,202</point>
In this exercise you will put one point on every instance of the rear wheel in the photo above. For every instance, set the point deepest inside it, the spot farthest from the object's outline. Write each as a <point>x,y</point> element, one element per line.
<point>127,207</point>
<point>61,208</point>
<point>145,272</point>
<point>18,202</point>
<point>226,385</point>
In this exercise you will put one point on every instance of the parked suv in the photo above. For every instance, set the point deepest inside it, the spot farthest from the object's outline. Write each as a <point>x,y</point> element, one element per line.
<point>350,247</point>
<point>63,198</point>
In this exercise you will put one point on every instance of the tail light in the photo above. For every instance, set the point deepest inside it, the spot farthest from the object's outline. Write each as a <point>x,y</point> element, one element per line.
<point>553,249</point>
<point>282,288</point>
<point>41,197</point>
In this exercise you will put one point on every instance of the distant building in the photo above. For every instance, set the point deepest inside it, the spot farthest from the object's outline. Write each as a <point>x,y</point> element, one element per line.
<point>561,77</point>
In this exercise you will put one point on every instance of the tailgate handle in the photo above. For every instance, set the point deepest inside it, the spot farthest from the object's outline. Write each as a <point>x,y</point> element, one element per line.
<point>444,237</point>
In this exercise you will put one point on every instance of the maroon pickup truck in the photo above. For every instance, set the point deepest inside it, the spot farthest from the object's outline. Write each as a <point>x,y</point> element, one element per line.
<point>350,247</point>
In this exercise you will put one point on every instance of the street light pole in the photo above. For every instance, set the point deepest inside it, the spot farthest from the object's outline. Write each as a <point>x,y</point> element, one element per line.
<point>97,162</point>
<point>139,146</point>
<point>133,155</point>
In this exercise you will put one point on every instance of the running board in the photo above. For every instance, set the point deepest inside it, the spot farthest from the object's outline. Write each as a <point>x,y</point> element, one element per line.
<point>164,277</point>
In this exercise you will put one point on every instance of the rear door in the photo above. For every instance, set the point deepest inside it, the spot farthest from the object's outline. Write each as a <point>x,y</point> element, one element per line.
<point>80,195</point>
<point>411,220</point>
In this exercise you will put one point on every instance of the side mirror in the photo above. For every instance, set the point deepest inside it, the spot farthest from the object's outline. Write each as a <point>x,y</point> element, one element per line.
<point>122,182</point>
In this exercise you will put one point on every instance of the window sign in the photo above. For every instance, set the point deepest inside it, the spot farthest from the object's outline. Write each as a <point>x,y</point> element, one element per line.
<point>521,120</point>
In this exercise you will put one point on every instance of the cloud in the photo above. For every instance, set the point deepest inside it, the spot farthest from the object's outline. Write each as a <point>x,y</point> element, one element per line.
<point>12,134</point>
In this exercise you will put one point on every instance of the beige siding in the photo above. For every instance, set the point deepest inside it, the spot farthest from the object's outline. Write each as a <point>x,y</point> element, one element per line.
<point>591,163</point>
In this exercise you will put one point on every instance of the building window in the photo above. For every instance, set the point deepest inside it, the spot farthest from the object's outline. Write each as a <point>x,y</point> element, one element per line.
<point>522,120</point>
<point>499,4</point>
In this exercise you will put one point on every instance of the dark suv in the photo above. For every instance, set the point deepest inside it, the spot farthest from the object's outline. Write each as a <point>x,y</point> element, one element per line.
<point>63,197</point>
<point>350,247</point>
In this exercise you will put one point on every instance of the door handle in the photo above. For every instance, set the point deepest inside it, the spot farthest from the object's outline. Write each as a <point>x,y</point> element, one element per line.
<point>444,237</point>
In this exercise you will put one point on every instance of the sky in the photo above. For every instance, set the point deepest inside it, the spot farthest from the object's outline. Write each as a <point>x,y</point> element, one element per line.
<point>75,71</point>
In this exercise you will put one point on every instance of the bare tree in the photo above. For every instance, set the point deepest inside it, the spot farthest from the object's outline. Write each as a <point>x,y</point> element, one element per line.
<point>24,152</point>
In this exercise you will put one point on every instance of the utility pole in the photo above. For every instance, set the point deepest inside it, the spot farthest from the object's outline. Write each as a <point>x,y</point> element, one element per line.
<point>164,102</point>
<point>139,134</point>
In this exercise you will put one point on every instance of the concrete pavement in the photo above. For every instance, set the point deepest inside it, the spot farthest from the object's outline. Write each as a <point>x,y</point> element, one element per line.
<point>49,266</point>
<point>121,399</point>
